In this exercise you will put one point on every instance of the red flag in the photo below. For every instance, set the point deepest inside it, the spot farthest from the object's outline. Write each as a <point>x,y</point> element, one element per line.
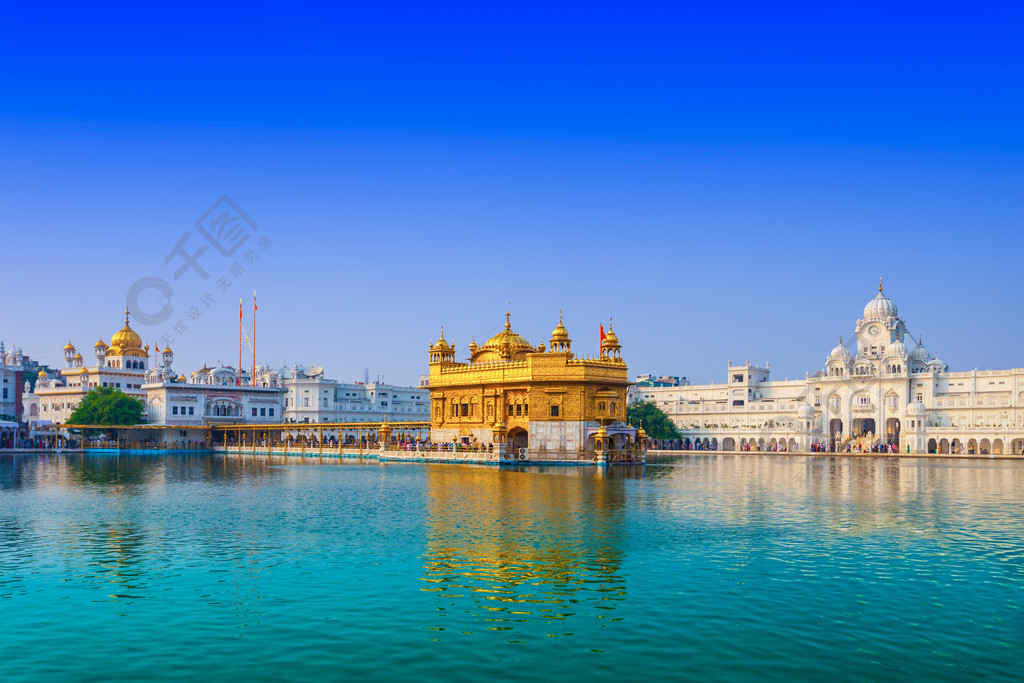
<point>603,335</point>
<point>157,347</point>
<point>254,309</point>
<point>239,309</point>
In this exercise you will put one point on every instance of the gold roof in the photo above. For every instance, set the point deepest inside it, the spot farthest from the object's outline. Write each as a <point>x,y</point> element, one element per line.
<point>69,346</point>
<point>611,338</point>
<point>507,335</point>
<point>126,338</point>
<point>42,373</point>
<point>560,333</point>
<point>101,344</point>
<point>441,343</point>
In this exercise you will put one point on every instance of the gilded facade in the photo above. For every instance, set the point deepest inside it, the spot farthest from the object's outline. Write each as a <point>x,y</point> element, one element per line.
<point>542,398</point>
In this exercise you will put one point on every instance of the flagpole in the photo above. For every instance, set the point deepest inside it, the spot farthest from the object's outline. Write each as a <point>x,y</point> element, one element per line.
<point>239,382</point>
<point>252,380</point>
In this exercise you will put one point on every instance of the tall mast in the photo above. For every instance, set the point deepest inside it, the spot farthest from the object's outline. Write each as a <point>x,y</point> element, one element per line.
<point>252,380</point>
<point>238,382</point>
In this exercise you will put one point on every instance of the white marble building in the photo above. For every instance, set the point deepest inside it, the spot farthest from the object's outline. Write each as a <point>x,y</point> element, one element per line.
<point>11,367</point>
<point>211,397</point>
<point>123,365</point>
<point>311,397</point>
<point>883,388</point>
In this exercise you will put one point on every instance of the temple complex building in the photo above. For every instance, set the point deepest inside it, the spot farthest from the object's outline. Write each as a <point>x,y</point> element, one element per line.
<point>122,364</point>
<point>212,396</point>
<point>542,399</point>
<point>883,390</point>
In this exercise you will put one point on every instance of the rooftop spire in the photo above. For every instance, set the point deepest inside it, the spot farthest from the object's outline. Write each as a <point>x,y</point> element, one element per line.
<point>879,284</point>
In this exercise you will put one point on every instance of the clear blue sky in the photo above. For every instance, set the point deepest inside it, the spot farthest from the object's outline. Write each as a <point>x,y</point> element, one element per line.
<point>727,180</point>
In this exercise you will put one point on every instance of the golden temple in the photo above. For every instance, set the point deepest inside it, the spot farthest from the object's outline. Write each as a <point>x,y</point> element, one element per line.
<point>544,399</point>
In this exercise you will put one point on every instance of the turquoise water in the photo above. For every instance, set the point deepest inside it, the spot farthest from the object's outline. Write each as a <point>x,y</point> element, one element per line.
<point>709,568</point>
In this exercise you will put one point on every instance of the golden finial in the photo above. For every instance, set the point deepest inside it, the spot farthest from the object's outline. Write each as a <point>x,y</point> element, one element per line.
<point>610,323</point>
<point>559,316</point>
<point>879,285</point>
<point>508,319</point>
<point>840,340</point>
<point>126,315</point>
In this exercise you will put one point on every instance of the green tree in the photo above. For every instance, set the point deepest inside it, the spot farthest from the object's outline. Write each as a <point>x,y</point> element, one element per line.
<point>655,422</point>
<point>107,406</point>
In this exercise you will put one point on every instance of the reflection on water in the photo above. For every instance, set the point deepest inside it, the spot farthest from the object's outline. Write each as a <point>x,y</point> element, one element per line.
<point>747,567</point>
<point>513,547</point>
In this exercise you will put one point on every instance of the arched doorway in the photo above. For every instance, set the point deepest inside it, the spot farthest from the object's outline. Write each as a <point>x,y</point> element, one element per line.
<point>792,445</point>
<point>932,445</point>
<point>1017,446</point>
<point>972,446</point>
<point>997,447</point>
<point>518,438</point>
<point>943,446</point>
<point>728,444</point>
<point>714,444</point>
<point>892,431</point>
<point>835,428</point>
<point>956,446</point>
<point>986,447</point>
<point>864,426</point>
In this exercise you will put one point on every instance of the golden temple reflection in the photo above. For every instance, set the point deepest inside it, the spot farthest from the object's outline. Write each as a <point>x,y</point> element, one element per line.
<point>510,546</point>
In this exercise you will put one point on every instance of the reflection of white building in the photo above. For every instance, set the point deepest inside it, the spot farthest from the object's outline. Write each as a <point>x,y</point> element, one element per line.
<point>883,388</point>
<point>311,397</point>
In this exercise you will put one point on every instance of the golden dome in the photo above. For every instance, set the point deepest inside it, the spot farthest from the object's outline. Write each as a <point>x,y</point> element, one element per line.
<point>126,338</point>
<point>114,350</point>
<point>441,343</point>
<point>560,333</point>
<point>42,373</point>
<point>166,349</point>
<point>69,346</point>
<point>181,378</point>
<point>507,335</point>
<point>78,356</point>
<point>101,344</point>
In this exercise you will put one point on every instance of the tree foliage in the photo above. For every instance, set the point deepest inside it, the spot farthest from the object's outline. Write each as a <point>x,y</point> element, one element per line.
<point>655,422</point>
<point>107,406</point>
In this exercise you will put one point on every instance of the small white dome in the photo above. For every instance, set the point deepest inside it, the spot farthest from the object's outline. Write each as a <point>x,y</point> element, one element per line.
<point>840,353</point>
<point>898,349</point>
<point>806,410</point>
<point>880,308</point>
<point>915,409</point>
<point>937,364</point>
<point>920,353</point>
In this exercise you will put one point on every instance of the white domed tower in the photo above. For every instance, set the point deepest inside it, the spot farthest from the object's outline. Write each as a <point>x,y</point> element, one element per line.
<point>69,353</point>
<point>838,361</point>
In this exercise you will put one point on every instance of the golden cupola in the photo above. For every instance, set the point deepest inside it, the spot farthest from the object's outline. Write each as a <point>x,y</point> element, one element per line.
<point>127,341</point>
<point>560,341</point>
<point>610,347</point>
<point>442,351</point>
<point>506,345</point>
